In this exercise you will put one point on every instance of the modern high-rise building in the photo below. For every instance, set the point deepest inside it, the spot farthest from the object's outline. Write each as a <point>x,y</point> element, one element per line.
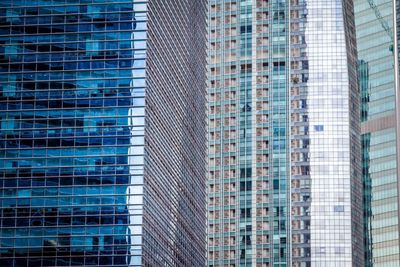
<point>103,136</point>
<point>285,183</point>
<point>378,66</point>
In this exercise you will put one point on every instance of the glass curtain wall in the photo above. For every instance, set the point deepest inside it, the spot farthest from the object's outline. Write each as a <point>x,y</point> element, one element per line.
<point>71,139</point>
<point>374,26</point>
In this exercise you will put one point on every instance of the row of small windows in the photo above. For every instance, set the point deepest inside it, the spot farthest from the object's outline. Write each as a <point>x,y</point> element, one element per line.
<point>48,258</point>
<point>12,18</point>
<point>61,28</point>
<point>60,177</point>
<point>92,10</point>
<point>73,50</point>
<point>106,50</point>
<point>82,81</point>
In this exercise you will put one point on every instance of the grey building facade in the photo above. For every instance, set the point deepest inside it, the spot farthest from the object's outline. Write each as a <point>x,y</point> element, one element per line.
<point>102,138</point>
<point>285,185</point>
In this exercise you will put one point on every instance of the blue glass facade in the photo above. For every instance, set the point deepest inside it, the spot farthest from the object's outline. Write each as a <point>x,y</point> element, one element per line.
<point>72,97</point>
<point>72,138</point>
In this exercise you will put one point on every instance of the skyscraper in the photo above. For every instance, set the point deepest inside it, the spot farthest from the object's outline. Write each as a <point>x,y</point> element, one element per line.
<point>103,138</point>
<point>378,57</point>
<point>285,184</point>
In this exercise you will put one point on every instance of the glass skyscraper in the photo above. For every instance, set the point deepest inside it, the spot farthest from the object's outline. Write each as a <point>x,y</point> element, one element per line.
<point>102,138</point>
<point>378,60</point>
<point>285,182</point>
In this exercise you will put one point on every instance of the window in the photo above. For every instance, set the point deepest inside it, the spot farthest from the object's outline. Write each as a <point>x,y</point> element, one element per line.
<point>92,48</point>
<point>339,250</point>
<point>245,186</point>
<point>318,128</point>
<point>245,172</point>
<point>338,208</point>
<point>245,29</point>
<point>320,250</point>
<point>245,213</point>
